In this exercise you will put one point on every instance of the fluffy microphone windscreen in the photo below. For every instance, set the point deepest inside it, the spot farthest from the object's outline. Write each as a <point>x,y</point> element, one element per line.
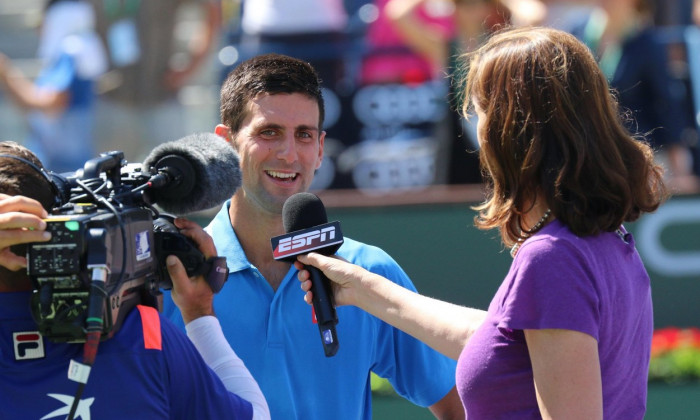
<point>304,211</point>
<point>209,159</point>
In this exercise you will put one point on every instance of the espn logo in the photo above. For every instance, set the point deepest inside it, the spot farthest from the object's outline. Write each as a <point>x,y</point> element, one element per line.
<point>306,240</point>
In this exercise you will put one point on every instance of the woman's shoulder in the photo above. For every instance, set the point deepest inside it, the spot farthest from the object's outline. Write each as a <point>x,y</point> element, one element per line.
<point>556,240</point>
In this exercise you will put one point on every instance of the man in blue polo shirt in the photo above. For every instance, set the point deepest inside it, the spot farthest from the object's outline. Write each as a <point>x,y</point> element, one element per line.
<point>272,114</point>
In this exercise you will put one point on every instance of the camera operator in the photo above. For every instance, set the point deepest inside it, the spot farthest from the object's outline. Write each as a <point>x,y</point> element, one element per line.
<point>149,369</point>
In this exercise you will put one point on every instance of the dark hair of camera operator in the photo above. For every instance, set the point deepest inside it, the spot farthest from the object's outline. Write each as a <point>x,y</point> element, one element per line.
<point>17,177</point>
<point>149,369</point>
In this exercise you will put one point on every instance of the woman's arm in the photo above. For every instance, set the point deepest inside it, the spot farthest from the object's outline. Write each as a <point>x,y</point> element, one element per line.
<point>566,368</point>
<point>444,326</point>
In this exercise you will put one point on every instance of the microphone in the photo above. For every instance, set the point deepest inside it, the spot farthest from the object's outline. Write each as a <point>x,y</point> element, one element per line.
<point>305,221</point>
<point>194,173</point>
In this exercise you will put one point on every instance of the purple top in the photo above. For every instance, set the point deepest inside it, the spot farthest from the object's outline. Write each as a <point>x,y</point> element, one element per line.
<point>596,285</point>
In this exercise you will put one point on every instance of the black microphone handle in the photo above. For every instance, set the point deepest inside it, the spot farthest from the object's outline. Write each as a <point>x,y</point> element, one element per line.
<point>324,308</point>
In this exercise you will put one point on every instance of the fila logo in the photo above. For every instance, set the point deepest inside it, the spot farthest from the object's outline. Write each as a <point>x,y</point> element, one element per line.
<point>306,239</point>
<point>28,345</point>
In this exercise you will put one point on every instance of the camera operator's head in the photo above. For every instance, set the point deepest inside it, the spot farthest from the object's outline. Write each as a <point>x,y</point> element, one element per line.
<point>21,173</point>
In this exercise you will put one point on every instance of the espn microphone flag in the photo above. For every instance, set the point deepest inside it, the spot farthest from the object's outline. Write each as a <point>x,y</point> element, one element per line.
<point>320,238</point>
<point>305,221</point>
<point>286,247</point>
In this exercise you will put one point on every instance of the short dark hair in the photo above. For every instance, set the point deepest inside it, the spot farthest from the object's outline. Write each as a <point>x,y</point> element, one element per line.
<point>553,127</point>
<point>19,178</point>
<point>271,74</point>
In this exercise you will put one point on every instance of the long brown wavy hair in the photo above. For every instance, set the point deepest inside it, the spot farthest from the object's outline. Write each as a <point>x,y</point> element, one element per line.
<point>553,128</point>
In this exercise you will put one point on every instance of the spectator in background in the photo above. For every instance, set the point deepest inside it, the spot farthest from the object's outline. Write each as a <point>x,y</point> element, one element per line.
<point>473,21</point>
<point>400,107</point>
<point>140,107</point>
<point>623,38</point>
<point>311,30</point>
<point>559,14</point>
<point>60,102</point>
<point>693,38</point>
<point>527,12</point>
<point>390,57</point>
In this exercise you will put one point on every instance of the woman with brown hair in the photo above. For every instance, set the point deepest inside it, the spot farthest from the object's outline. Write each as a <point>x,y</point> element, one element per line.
<point>568,333</point>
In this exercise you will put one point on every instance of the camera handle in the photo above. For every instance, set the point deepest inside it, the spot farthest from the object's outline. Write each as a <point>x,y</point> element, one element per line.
<point>169,241</point>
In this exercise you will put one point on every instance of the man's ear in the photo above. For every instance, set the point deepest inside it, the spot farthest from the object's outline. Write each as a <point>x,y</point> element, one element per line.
<point>321,144</point>
<point>223,131</point>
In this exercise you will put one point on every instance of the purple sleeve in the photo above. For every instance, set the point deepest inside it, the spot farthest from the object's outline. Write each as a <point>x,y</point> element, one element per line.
<point>196,391</point>
<point>551,285</point>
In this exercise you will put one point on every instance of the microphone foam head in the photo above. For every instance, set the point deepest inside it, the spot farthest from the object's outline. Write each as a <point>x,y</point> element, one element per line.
<point>303,210</point>
<point>215,166</point>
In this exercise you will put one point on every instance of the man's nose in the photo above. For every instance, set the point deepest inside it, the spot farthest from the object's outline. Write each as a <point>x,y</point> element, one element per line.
<point>287,149</point>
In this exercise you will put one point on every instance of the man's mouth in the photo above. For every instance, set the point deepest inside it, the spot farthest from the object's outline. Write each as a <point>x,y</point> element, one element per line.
<point>282,176</point>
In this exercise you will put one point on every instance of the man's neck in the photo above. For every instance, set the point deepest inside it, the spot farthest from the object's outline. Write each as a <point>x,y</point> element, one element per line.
<point>254,228</point>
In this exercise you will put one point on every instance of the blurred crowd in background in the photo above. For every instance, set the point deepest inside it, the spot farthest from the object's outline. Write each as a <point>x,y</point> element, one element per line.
<point>80,77</point>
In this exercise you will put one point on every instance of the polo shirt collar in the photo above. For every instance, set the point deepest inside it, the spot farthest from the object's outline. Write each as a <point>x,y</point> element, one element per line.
<point>227,244</point>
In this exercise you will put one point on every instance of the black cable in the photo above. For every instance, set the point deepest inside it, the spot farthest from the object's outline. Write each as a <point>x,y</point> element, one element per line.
<point>94,324</point>
<point>105,202</point>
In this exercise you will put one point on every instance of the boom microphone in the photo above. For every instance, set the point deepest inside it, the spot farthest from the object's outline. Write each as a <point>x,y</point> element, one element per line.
<point>194,173</point>
<point>307,227</point>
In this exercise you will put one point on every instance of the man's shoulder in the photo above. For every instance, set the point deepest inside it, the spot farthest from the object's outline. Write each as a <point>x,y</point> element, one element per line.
<point>352,248</point>
<point>374,259</point>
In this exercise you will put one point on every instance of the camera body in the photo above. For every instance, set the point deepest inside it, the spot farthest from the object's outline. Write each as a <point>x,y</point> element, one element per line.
<point>106,232</point>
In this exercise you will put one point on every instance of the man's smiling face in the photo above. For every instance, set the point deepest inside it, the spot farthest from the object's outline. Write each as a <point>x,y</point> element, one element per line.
<point>280,146</point>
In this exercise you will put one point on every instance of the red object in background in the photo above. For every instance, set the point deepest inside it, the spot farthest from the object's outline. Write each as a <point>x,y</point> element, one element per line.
<point>672,338</point>
<point>389,59</point>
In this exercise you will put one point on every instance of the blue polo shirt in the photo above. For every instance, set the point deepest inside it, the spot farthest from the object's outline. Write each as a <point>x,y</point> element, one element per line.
<point>274,335</point>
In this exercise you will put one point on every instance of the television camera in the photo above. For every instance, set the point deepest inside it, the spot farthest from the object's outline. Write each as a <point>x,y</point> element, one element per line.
<point>109,241</point>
